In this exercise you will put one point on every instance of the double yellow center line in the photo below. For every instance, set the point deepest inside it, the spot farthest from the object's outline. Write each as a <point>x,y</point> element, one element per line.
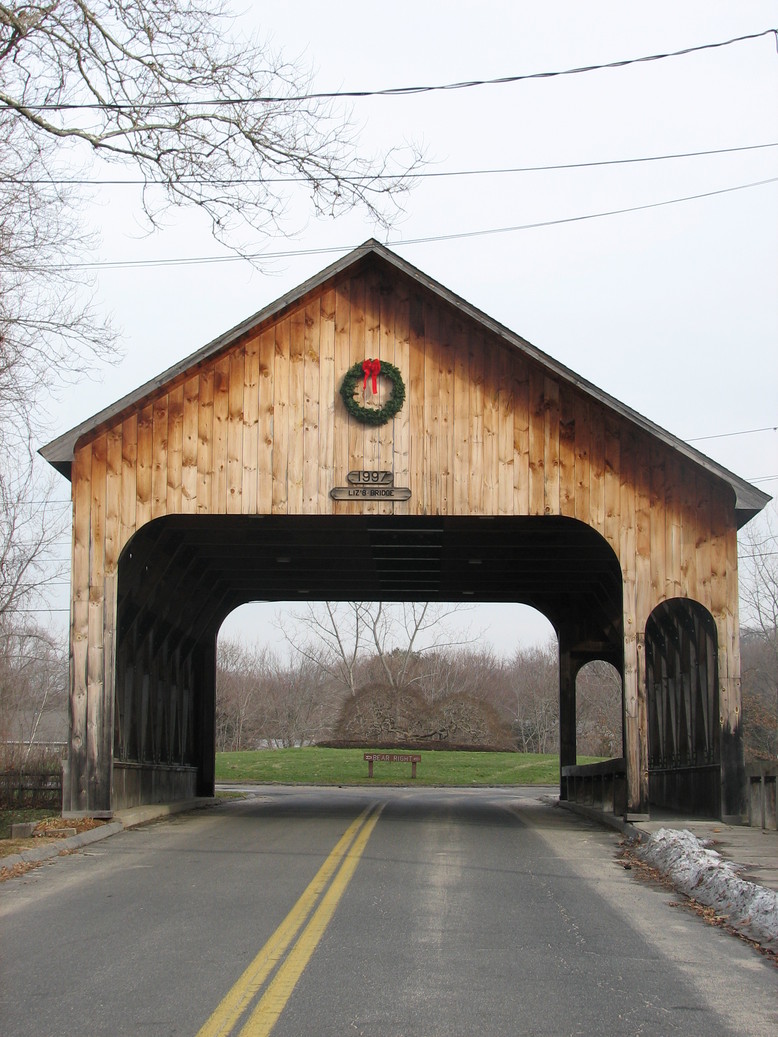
<point>312,914</point>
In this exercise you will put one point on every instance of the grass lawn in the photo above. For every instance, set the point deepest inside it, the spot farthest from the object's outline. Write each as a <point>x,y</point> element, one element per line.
<point>313,766</point>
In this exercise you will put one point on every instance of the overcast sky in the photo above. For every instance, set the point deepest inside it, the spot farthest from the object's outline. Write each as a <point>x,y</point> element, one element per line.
<point>671,309</point>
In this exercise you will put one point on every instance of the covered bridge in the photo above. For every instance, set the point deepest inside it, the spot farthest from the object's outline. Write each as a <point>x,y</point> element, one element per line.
<point>466,465</point>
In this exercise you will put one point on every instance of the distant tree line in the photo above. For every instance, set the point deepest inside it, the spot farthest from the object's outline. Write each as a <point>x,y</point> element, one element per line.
<point>445,696</point>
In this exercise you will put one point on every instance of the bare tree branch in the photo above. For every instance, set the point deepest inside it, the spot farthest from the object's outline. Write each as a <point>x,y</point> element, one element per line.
<point>165,86</point>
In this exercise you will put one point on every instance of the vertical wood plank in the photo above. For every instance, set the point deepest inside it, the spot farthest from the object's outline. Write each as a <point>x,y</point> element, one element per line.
<point>311,395</point>
<point>582,469</point>
<point>296,412</point>
<point>159,444</point>
<point>627,536</point>
<point>372,351</point>
<point>612,482</point>
<point>537,442</point>
<point>75,795</point>
<point>113,498</point>
<point>672,528</point>
<point>99,707</point>
<point>175,451</point>
<point>491,425</point>
<point>642,474</point>
<point>266,446</point>
<point>597,468</point>
<point>189,446</point>
<point>658,520</point>
<point>402,422</point>
<point>221,420</point>
<point>702,563</point>
<point>446,410</point>
<point>372,435</point>
<point>281,396</point>
<point>550,446</point>
<point>505,456</point>
<point>236,376</point>
<point>129,478</point>
<point>327,402</point>
<point>477,453</point>
<point>387,354</point>
<point>689,528</point>
<point>341,431</point>
<point>567,440</point>
<point>205,443</point>
<point>144,467</point>
<point>432,437</point>
<point>357,353</point>
<point>250,447</point>
<point>521,425</point>
<point>461,429</point>
<point>416,401</point>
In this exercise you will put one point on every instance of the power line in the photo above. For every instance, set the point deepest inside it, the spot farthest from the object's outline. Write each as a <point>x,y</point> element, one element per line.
<point>727,435</point>
<point>429,175</point>
<point>41,611</point>
<point>397,91</point>
<point>459,236</point>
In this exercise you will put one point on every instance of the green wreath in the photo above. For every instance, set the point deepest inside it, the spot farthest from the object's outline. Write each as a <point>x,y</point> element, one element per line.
<point>373,415</point>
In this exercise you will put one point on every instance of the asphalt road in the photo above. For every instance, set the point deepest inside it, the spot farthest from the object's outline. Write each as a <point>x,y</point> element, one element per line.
<point>367,911</point>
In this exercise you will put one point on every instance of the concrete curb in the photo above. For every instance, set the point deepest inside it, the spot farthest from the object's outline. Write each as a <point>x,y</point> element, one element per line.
<point>606,820</point>
<point>124,819</point>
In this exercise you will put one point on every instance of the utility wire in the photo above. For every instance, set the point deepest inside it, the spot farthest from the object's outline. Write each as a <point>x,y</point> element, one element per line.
<point>727,435</point>
<point>397,91</point>
<point>131,264</point>
<point>430,174</point>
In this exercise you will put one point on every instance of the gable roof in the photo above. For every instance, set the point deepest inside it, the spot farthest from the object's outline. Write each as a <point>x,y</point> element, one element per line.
<point>59,452</point>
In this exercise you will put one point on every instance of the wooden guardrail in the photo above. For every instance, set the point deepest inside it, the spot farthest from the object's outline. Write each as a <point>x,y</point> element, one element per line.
<point>602,786</point>
<point>762,779</point>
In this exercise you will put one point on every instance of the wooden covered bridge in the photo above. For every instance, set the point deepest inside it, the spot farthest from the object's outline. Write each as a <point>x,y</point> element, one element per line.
<point>281,462</point>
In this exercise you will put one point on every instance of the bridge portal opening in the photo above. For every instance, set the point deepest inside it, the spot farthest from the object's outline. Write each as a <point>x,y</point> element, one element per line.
<point>179,577</point>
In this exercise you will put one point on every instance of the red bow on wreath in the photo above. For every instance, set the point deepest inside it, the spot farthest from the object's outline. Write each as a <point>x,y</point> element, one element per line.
<point>372,369</point>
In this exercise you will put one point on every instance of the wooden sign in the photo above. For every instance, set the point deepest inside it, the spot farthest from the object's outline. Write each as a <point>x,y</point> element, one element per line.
<point>370,485</point>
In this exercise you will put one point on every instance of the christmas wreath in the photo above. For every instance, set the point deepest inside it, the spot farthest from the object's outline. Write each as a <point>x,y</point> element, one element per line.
<point>371,369</point>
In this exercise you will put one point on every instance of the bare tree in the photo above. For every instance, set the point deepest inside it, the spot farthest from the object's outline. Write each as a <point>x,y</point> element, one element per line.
<point>33,692</point>
<point>165,88</point>
<point>29,531</point>
<point>759,579</point>
<point>534,699</point>
<point>599,710</point>
<point>262,702</point>
<point>759,636</point>
<point>298,707</point>
<point>372,642</point>
<point>239,676</point>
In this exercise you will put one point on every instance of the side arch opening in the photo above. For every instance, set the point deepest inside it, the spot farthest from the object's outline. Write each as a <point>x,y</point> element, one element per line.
<point>599,710</point>
<point>684,745</point>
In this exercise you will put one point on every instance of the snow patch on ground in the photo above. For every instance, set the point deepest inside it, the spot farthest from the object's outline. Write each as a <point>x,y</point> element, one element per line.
<point>712,880</point>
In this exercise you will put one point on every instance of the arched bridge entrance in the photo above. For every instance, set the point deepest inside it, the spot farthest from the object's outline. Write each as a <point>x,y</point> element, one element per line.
<point>372,436</point>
